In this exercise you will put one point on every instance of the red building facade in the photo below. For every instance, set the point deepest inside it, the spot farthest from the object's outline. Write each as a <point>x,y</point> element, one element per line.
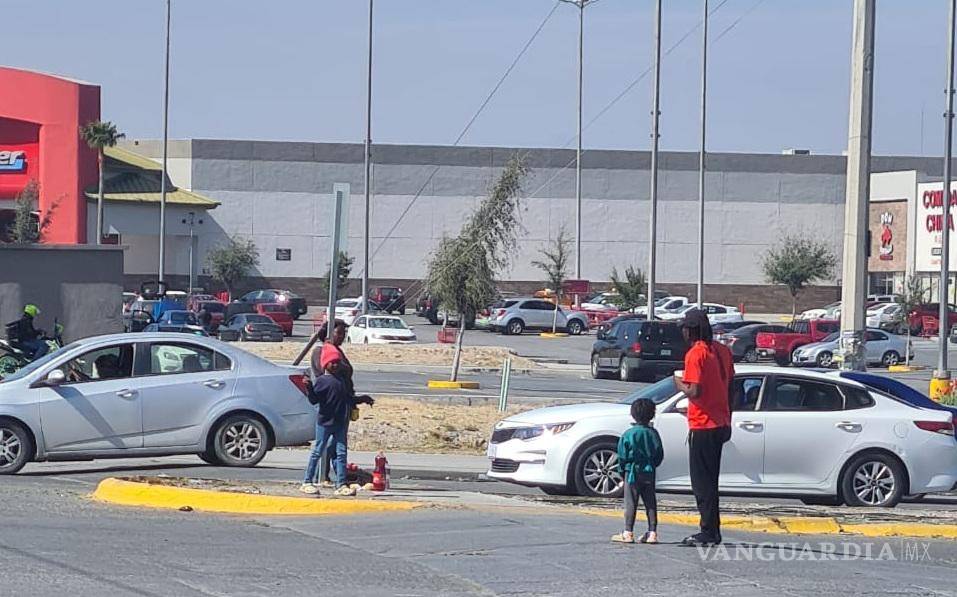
<point>40,120</point>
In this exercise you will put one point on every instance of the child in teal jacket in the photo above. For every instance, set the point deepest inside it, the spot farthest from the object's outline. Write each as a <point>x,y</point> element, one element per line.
<point>639,454</point>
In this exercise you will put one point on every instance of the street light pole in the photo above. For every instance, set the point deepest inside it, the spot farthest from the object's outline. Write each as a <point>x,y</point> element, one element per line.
<point>854,285</point>
<point>578,155</point>
<point>368,173</point>
<point>942,372</point>
<point>162,226</point>
<point>653,216</point>
<point>701,161</point>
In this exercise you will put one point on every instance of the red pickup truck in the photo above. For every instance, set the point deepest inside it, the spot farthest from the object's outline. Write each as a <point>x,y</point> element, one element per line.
<point>779,346</point>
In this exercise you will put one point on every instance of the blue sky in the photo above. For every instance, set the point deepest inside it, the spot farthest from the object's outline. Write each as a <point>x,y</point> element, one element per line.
<point>295,70</point>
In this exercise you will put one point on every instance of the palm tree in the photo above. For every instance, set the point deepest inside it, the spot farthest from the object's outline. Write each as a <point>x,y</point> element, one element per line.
<point>99,134</point>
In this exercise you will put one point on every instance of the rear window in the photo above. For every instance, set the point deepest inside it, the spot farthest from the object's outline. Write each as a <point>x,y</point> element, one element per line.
<point>258,319</point>
<point>347,303</point>
<point>273,308</point>
<point>213,307</point>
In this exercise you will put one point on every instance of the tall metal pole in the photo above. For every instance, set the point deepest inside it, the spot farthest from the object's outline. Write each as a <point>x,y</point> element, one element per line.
<point>858,188</point>
<point>334,260</point>
<point>578,155</point>
<point>701,164</point>
<point>945,232</point>
<point>653,216</point>
<point>368,173</point>
<point>162,226</point>
<point>191,216</point>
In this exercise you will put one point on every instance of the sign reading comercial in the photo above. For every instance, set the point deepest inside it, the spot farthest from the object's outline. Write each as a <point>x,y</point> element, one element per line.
<point>283,254</point>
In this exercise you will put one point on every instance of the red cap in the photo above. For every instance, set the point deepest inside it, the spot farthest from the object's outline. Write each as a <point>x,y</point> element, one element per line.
<point>330,354</point>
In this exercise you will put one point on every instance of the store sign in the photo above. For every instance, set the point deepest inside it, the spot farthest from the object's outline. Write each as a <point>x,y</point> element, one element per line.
<point>13,161</point>
<point>929,225</point>
<point>283,254</point>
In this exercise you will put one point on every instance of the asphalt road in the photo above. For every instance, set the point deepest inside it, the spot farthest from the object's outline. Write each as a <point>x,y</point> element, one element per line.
<point>55,541</point>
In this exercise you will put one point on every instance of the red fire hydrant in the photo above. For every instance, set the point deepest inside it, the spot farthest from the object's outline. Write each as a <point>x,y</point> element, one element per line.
<point>380,475</point>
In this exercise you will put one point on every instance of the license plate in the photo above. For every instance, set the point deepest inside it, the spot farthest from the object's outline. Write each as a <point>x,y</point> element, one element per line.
<point>666,352</point>
<point>492,450</point>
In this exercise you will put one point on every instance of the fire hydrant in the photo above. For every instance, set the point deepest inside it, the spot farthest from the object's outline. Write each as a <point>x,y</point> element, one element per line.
<point>380,475</point>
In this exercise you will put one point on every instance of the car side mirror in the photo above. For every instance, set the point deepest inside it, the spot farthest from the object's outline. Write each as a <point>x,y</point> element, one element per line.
<point>52,380</point>
<point>682,406</point>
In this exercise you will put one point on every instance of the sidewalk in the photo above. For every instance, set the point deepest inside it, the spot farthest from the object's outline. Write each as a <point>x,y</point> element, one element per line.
<point>420,466</point>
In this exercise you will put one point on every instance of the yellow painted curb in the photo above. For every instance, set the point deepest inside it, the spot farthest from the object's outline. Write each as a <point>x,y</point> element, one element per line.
<point>899,369</point>
<point>555,335</point>
<point>801,525</point>
<point>453,385</point>
<point>128,493</point>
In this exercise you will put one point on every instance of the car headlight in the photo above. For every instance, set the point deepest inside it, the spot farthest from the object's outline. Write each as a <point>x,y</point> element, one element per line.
<point>527,433</point>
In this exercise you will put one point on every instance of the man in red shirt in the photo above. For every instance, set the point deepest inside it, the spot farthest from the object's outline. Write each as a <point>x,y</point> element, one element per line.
<point>708,372</point>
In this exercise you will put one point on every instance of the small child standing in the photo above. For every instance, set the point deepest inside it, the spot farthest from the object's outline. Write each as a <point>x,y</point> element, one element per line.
<point>639,454</point>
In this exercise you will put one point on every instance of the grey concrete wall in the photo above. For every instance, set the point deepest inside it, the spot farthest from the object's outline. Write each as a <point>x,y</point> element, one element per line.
<point>279,194</point>
<point>81,286</point>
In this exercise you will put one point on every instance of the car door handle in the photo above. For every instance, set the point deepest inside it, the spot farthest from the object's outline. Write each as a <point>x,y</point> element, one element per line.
<point>848,426</point>
<point>126,393</point>
<point>216,384</point>
<point>751,425</point>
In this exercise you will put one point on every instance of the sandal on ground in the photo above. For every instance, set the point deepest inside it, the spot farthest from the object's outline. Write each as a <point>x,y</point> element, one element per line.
<point>624,537</point>
<point>649,537</point>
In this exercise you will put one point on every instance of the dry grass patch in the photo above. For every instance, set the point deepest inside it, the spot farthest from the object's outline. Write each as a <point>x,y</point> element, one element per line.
<point>410,425</point>
<point>410,354</point>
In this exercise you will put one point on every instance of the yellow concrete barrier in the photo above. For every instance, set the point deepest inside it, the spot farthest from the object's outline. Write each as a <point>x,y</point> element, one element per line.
<point>553,335</point>
<point>442,384</point>
<point>148,495</point>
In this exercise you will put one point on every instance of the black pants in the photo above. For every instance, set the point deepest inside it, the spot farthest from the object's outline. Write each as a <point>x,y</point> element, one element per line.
<point>643,487</point>
<point>704,455</point>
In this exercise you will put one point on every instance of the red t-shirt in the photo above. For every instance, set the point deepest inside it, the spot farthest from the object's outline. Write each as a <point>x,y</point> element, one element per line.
<point>711,373</point>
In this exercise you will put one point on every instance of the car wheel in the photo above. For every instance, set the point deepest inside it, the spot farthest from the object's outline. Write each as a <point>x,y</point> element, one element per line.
<point>891,357</point>
<point>873,480</point>
<point>575,327</point>
<point>825,359</point>
<point>16,447</point>
<point>515,327</point>
<point>240,440</point>
<point>596,472</point>
<point>209,457</point>
<point>625,373</point>
<point>750,355</point>
<point>596,372</point>
<point>8,364</point>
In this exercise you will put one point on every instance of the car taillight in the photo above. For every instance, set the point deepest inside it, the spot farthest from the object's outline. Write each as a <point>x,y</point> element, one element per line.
<point>299,380</point>
<point>501,312</point>
<point>249,327</point>
<point>944,427</point>
<point>636,347</point>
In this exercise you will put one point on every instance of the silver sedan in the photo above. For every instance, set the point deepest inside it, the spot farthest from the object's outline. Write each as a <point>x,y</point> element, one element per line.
<point>882,348</point>
<point>151,394</point>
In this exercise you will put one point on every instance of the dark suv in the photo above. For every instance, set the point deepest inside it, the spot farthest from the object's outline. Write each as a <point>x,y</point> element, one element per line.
<point>389,298</point>
<point>638,348</point>
<point>295,304</point>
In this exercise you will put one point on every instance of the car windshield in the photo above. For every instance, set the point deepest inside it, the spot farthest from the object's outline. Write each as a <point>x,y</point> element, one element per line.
<point>661,302</point>
<point>833,337</point>
<point>37,364</point>
<point>685,308</point>
<point>657,393</point>
<point>392,323</point>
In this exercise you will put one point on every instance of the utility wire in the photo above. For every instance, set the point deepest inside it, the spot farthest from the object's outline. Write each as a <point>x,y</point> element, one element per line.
<point>468,126</point>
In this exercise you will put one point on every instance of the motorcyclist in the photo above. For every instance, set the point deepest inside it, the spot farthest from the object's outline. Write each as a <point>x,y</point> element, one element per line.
<point>30,339</point>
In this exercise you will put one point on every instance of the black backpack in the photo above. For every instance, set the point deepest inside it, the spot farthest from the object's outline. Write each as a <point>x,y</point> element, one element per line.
<point>13,331</point>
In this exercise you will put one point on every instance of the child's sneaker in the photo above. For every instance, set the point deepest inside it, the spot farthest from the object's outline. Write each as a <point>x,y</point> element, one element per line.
<point>309,488</point>
<point>623,537</point>
<point>649,537</point>
<point>345,490</point>
<point>330,484</point>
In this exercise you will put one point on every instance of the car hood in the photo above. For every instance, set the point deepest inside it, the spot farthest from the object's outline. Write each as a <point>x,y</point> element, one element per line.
<point>567,413</point>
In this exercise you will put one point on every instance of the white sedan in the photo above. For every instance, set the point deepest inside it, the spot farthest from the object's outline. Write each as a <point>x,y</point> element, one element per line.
<point>716,313</point>
<point>380,329</point>
<point>348,309</point>
<point>884,315</point>
<point>840,437</point>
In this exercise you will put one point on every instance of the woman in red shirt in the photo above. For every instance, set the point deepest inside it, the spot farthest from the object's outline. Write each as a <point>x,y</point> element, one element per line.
<point>708,371</point>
